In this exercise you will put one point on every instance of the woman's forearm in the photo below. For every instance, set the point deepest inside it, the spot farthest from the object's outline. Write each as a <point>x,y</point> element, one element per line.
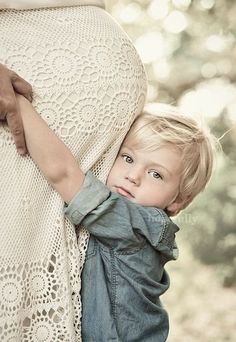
<point>51,155</point>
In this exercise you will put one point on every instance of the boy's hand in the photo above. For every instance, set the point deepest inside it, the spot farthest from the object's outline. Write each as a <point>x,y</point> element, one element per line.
<point>10,83</point>
<point>23,105</point>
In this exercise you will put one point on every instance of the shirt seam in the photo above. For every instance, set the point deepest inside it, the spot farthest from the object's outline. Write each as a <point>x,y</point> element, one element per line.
<point>128,252</point>
<point>113,282</point>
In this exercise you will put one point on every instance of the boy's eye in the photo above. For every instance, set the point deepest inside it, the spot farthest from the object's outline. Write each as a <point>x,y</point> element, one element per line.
<point>127,158</point>
<point>155,174</point>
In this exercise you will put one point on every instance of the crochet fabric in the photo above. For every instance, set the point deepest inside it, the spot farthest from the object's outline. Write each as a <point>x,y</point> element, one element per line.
<point>27,4</point>
<point>89,85</point>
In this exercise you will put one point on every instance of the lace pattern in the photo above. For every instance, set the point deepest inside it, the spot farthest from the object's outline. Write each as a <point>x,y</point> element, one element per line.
<point>89,85</point>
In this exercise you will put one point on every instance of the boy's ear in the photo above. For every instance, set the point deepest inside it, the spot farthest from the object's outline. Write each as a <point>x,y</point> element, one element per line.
<point>178,204</point>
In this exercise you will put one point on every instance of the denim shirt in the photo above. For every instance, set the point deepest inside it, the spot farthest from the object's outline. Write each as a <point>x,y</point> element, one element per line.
<point>123,276</point>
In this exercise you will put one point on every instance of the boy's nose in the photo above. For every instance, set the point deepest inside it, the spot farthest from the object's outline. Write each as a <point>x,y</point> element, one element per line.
<point>134,177</point>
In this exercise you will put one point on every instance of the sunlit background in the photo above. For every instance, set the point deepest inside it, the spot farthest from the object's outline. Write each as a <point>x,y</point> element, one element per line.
<point>189,52</point>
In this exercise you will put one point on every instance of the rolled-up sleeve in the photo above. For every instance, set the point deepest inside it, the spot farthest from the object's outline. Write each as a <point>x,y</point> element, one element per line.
<point>91,195</point>
<point>106,215</point>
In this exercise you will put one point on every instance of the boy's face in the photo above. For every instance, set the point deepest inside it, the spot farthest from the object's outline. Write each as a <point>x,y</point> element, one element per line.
<point>151,179</point>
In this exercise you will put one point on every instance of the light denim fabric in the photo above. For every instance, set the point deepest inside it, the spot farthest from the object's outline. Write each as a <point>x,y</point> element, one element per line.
<point>123,276</point>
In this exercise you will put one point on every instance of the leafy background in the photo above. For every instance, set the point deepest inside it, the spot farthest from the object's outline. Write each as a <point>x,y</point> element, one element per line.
<point>189,51</point>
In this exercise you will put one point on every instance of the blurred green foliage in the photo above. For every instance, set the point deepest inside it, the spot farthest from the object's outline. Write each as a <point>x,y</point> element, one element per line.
<point>181,42</point>
<point>212,234</point>
<point>189,51</point>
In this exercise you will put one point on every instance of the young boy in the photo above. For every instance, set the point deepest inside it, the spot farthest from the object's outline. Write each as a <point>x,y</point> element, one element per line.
<point>163,163</point>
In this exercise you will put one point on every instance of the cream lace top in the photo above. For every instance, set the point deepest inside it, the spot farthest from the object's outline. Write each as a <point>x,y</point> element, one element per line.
<point>27,4</point>
<point>89,84</point>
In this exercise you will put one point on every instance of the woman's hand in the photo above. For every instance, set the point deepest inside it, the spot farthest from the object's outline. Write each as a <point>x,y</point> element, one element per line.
<point>10,83</point>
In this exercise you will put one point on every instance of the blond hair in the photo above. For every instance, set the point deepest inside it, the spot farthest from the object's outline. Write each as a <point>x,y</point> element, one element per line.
<point>169,126</point>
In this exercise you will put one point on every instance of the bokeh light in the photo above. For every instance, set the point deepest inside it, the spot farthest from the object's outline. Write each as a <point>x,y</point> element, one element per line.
<point>175,22</point>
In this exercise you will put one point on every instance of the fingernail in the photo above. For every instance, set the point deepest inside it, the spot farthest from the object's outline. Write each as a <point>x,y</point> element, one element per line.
<point>21,151</point>
<point>30,97</point>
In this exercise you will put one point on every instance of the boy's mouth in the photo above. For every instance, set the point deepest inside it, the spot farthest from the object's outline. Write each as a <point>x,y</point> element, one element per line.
<point>124,192</point>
